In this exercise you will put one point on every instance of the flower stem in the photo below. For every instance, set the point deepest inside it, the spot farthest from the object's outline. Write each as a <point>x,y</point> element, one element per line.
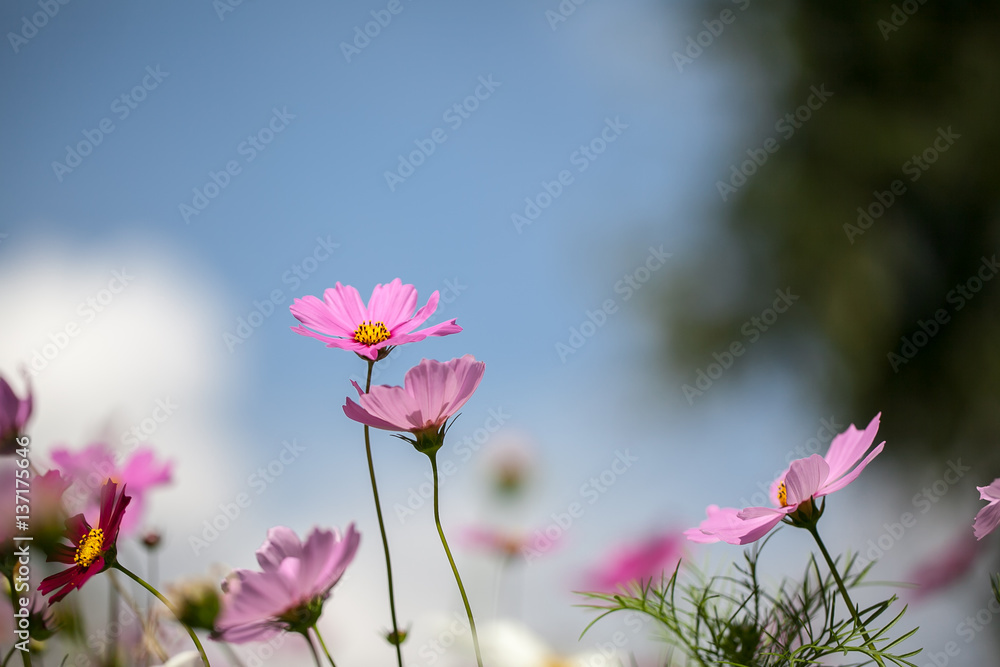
<point>312,648</point>
<point>845,595</point>
<point>323,644</point>
<point>381,526</point>
<point>432,455</point>
<point>10,654</point>
<point>166,602</point>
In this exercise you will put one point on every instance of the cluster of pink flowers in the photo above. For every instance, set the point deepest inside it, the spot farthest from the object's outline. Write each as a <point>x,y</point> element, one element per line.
<point>296,577</point>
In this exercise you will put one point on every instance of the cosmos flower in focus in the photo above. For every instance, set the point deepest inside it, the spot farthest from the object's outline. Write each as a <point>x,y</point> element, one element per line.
<point>795,491</point>
<point>433,391</point>
<point>342,319</point>
<point>91,550</point>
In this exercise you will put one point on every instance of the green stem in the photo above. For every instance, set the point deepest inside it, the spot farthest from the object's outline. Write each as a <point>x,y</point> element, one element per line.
<point>844,594</point>
<point>10,654</point>
<point>112,618</point>
<point>166,602</point>
<point>432,455</point>
<point>381,526</point>
<point>312,649</point>
<point>323,644</point>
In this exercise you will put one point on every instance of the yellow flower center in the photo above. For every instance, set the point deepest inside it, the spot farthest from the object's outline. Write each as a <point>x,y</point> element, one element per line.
<point>90,548</point>
<point>782,495</point>
<point>371,333</point>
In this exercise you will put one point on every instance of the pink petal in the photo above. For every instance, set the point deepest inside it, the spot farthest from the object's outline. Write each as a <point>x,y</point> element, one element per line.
<point>991,492</point>
<point>318,315</point>
<point>346,306</point>
<point>986,520</point>
<point>849,447</point>
<point>359,414</point>
<point>420,317</point>
<point>392,304</point>
<point>281,543</point>
<point>851,476</point>
<point>804,479</point>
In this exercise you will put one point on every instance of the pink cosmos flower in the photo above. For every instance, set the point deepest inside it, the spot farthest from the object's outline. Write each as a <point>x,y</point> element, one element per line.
<point>342,320</point>
<point>805,480</point>
<point>433,391</point>
<point>988,517</point>
<point>289,591</point>
<point>649,559</point>
<point>88,468</point>
<point>14,414</point>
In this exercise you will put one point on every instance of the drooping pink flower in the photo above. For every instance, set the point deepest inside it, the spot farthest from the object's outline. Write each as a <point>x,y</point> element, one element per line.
<point>988,517</point>
<point>945,567</point>
<point>648,559</point>
<point>92,550</point>
<point>432,392</point>
<point>89,467</point>
<point>14,414</point>
<point>288,593</point>
<point>342,320</point>
<point>805,480</point>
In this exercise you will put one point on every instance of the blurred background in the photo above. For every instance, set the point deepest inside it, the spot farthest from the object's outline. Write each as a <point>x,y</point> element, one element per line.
<point>699,238</point>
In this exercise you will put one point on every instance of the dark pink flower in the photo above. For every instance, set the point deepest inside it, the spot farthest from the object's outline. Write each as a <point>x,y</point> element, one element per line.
<point>649,559</point>
<point>14,414</point>
<point>988,517</point>
<point>793,493</point>
<point>87,468</point>
<point>288,593</point>
<point>433,391</point>
<point>343,320</point>
<point>91,550</point>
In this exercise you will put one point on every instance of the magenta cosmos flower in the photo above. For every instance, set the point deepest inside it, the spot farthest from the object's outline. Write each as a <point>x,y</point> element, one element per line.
<point>988,517</point>
<point>793,492</point>
<point>87,468</point>
<point>14,414</point>
<point>342,320</point>
<point>91,550</point>
<point>432,392</point>
<point>289,591</point>
<point>643,561</point>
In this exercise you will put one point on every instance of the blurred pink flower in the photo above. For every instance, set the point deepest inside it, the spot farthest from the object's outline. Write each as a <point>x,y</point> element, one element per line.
<point>90,467</point>
<point>804,480</point>
<point>988,517</point>
<point>945,567</point>
<point>288,594</point>
<point>657,555</point>
<point>14,414</point>
<point>342,320</point>
<point>433,391</point>
<point>499,542</point>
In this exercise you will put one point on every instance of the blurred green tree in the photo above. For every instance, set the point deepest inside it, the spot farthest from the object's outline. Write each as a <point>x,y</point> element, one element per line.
<point>881,211</point>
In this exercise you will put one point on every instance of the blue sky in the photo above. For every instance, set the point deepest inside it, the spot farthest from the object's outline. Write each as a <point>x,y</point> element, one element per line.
<point>313,207</point>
